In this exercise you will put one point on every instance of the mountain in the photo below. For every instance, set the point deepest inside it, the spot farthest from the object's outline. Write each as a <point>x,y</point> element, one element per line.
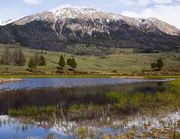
<point>6,22</point>
<point>64,27</point>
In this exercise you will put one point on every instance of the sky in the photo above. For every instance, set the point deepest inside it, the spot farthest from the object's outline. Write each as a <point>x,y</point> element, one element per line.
<point>166,10</point>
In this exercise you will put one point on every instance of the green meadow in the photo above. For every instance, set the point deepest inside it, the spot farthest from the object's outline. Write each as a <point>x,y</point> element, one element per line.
<point>122,61</point>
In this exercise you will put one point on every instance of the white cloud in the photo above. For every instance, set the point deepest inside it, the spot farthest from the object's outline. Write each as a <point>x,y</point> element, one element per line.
<point>126,2</point>
<point>32,2</point>
<point>162,1</point>
<point>144,2</point>
<point>167,13</point>
<point>131,14</point>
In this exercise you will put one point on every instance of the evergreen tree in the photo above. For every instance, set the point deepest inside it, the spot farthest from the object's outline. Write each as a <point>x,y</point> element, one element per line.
<point>153,65</point>
<point>157,65</point>
<point>62,62</point>
<point>72,63</point>
<point>31,64</point>
<point>160,63</point>
<point>42,61</point>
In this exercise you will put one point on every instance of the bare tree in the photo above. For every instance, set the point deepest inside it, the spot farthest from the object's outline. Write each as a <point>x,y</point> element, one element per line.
<point>36,58</point>
<point>6,57</point>
<point>15,57</point>
<point>18,57</point>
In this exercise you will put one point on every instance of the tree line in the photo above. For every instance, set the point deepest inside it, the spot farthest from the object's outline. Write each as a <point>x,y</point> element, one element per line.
<point>17,58</point>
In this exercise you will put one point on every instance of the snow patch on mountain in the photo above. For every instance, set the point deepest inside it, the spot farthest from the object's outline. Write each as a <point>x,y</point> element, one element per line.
<point>84,13</point>
<point>61,16</point>
<point>2,23</point>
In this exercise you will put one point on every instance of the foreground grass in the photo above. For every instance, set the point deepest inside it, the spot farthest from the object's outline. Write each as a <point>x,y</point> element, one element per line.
<point>155,133</point>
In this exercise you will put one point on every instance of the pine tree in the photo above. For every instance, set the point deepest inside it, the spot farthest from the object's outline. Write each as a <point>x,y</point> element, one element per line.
<point>160,63</point>
<point>62,62</point>
<point>153,65</point>
<point>42,61</point>
<point>72,63</point>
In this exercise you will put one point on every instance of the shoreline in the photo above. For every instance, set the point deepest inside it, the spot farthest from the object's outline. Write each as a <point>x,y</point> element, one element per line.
<point>6,80</point>
<point>19,77</point>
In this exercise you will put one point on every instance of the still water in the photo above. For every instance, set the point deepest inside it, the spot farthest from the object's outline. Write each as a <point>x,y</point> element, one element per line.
<point>30,83</point>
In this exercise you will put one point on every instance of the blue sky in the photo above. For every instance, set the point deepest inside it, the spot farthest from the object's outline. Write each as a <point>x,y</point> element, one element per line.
<point>166,10</point>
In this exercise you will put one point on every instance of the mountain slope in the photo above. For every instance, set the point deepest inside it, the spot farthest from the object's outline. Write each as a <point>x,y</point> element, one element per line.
<point>55,30</point>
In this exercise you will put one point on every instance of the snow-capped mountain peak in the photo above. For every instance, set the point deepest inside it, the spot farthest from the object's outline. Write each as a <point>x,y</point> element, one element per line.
<point>104,18</point>
<point>76,11</point>
<point>83,13</point>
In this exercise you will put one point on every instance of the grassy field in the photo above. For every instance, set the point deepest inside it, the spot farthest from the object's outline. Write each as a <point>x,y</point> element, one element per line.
<point>123,62</point>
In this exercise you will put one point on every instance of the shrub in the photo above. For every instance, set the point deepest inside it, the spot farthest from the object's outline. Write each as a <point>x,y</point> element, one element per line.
<point>157,65</point>
<point>31,64</point>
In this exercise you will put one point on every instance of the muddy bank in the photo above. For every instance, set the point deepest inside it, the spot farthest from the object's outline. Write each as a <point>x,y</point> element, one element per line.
<point>6,80</point>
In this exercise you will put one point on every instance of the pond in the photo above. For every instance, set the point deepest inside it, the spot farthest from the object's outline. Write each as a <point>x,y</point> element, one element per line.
<point>30,83</point>
<point>62,92</point>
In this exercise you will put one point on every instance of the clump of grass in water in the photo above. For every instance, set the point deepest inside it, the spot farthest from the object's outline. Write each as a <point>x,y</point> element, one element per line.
<point>86,111</point>
<point>136,101</point>
<point>33,112</point>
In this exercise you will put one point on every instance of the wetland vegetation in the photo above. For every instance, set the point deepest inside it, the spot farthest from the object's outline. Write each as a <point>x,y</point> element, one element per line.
<point>95,102</point>
<point>106,107</point>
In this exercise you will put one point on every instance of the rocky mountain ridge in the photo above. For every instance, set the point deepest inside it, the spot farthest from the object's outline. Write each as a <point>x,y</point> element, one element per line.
<point>54,30</point>
<point>89,13</point>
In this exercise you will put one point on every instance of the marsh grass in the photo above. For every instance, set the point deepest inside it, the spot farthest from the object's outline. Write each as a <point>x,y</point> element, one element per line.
<point>93,103</point>
<point>34,112</point>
